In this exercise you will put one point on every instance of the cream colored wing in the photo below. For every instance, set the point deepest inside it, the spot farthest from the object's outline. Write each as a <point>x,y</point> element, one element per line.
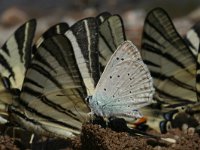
<point>52,98</point>
<point>15,56</point>
<point>169,59</point>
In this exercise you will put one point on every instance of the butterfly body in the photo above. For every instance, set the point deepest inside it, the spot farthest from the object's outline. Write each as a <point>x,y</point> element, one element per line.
<point>125,85</point>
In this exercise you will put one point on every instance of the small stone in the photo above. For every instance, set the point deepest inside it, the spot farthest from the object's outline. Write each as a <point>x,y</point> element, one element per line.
<point>157,148</point>
<point>176,137</point>
<point>184,128</point>
<point>191,131</point>
<point>173,145</point>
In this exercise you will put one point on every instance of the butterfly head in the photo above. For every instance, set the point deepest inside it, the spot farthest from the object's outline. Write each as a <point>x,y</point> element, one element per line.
<point>95,106</point>
<point>88,99</point>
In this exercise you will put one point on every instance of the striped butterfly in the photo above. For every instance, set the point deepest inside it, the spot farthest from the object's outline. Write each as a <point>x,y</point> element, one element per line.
<point>111,35</point>
<point>21,43</point>
<point>172,66</point>
<point>192,38</point>
<point>15,57</point>
<point>52,98</point>
<point>64,70</point>
<point>59,28</point>
<point>170,61</point>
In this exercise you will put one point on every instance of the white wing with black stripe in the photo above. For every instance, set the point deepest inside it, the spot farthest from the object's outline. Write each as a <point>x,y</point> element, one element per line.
<point>15,56</point>
<point>192,39</point>
<point>111,35</point>
<point>84,37</point>
<point>59,28</point>
<point>102,17</point>
<point>171,63</point>
<point>53,93</point>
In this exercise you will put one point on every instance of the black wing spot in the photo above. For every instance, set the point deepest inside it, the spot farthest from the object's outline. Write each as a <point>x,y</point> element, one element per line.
<point>117,58</point>
<point>118,76</point>
<point>122,59</point>
<point>110,77</point>
<point>104,89</point>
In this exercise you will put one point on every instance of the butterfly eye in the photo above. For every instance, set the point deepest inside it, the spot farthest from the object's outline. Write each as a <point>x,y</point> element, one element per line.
<point>87,99</point>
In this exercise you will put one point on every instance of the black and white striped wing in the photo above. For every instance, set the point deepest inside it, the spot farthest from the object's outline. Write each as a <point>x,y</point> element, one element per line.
<point>84,38</point>
<point>192,39</point>
<point>15,56</point>
<point>59,28</point>
<point>52,97</point>
<point>171,63</point>
<point>102,17</point>
<point>111,35</point>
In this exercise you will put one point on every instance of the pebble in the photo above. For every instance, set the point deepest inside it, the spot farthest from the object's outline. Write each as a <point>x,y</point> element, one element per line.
<point>191,131</point>
<point>184,128</point>
<point>157,148</point>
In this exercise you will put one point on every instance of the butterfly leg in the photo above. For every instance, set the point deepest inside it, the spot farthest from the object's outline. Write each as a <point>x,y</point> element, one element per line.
<point>90,117</point>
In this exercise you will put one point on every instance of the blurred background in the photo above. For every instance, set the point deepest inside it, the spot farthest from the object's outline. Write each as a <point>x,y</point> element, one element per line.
<point>185,13</point>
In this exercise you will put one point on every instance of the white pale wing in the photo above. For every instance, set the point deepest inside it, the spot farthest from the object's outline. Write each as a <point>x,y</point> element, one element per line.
<point>125,85</point>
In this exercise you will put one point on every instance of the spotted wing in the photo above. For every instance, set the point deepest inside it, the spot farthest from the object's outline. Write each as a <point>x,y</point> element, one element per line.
<point>125,85</point>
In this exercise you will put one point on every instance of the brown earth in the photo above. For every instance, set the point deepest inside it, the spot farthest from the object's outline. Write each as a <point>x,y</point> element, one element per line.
<point>93,137</point>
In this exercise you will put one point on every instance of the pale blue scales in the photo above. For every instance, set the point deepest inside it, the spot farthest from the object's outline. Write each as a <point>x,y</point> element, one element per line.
<point>125,85</point>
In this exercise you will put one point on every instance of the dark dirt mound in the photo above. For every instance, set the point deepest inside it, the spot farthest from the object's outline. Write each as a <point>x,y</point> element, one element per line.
<point>7,143</point>
<point>95,137</point>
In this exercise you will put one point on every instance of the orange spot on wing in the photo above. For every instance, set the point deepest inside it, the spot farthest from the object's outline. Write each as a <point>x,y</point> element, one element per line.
<point>140,121</point>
